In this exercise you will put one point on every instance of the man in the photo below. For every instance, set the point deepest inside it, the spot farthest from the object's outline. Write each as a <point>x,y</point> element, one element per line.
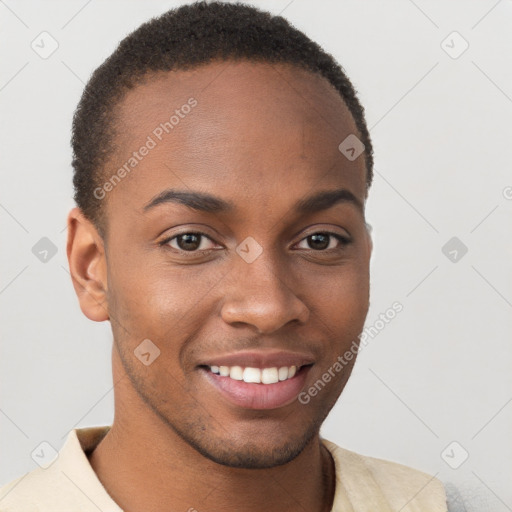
<point>222,163</point>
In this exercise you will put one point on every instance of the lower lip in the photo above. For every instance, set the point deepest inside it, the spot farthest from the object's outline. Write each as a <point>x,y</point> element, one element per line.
<point>258,396</point>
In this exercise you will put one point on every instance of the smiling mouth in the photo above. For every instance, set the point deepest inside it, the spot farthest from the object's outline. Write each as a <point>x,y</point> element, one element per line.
<point>251,375</point>
<point>250,387</point>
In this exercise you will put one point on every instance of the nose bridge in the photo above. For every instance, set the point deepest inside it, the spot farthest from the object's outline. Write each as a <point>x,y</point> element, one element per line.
<point>260,293</point>
<point>263,276</point>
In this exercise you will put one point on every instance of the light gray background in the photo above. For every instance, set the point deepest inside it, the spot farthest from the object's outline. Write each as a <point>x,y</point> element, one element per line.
<point>441,126</point>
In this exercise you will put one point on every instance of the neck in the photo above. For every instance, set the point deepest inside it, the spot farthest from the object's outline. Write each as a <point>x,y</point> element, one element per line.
<point>144,465</point>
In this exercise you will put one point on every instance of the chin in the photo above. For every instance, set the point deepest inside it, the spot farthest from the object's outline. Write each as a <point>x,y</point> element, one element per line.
<point>249,448</point>
<point>252,455</point>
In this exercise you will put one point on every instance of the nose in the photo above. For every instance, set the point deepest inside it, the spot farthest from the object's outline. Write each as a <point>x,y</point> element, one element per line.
<point>261,294</point>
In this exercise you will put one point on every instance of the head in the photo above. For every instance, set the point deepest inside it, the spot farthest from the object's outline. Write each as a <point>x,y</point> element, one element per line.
<point>218,218</point>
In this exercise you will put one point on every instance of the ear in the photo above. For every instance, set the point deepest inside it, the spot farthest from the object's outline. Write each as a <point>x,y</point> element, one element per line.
<point>88,266</point>
<point>369,239</point>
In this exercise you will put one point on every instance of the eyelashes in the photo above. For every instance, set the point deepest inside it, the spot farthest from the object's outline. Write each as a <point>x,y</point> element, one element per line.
<point>343,240</point>
<point>194,240</point>
<point>188,237</point>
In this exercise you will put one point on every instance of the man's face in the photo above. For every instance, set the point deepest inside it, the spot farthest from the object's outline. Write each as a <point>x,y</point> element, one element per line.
<point>295,293</point>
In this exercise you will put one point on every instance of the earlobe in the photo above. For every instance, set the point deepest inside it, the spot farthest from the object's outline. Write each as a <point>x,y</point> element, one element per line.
<point>87,265</point>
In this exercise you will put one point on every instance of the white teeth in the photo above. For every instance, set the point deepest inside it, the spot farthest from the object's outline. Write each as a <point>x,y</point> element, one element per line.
<point>269,376</point>
<point>236,372</point>
<point>255,375</point>
<point>252,375</point>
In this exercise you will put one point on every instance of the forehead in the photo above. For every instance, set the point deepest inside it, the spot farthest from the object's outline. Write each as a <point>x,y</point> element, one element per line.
<point>235,126</point>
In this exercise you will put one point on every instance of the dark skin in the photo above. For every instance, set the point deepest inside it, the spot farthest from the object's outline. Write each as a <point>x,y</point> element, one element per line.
<point>262,137</point>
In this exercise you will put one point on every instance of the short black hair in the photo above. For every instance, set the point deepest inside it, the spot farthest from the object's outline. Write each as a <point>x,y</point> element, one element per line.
<point>183,38</point>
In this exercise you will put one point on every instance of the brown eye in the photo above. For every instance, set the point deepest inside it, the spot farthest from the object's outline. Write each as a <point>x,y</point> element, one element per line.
<point>189,242</point>
<point>324,240</point>
<point>319,241</point>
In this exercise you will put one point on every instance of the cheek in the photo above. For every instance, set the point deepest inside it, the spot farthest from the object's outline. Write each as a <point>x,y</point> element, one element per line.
<point>342,296</point>
<point>177,296</point>
<point>341,309</point>
<point>160,301</point>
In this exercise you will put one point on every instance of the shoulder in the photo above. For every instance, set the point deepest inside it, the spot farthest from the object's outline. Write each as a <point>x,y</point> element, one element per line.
<point>394,486</point>
<point>22,492</point>
<point>53,490</point>
<point>65,483</point>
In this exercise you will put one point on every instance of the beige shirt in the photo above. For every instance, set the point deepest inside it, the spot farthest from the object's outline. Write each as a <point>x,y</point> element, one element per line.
<point>363,484</point>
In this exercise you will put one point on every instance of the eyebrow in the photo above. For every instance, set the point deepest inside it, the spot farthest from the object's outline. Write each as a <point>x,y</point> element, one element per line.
<point>211,204</point>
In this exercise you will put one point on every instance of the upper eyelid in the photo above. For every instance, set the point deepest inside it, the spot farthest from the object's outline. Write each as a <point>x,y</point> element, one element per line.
<point>168,239</point>
<point>326,231</point>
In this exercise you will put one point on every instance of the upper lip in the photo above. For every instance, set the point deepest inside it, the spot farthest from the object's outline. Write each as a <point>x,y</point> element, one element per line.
<point>260,359</point>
